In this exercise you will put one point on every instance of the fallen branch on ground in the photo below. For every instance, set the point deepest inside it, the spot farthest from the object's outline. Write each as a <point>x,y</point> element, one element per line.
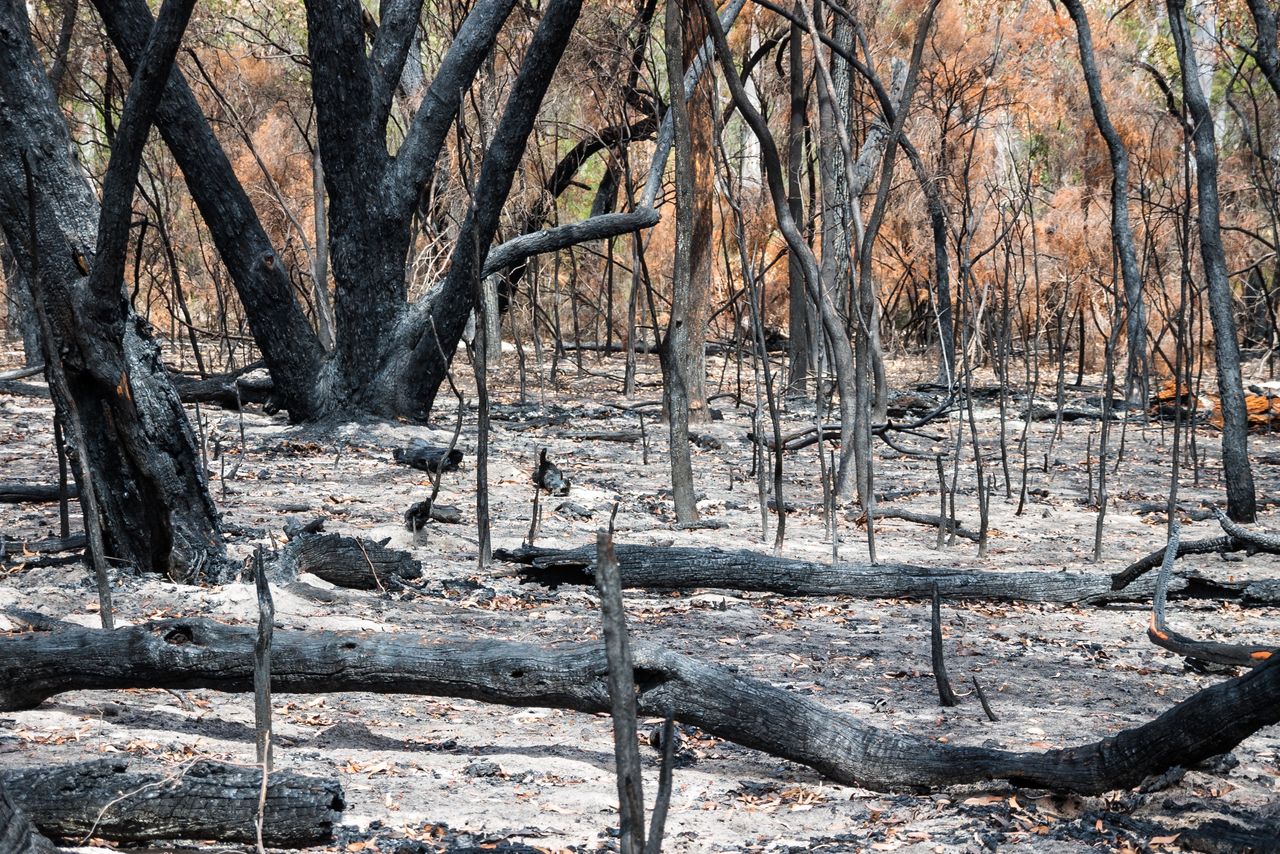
<point>21,493</point>
<point>1159,633</point>
<point>198,653</point>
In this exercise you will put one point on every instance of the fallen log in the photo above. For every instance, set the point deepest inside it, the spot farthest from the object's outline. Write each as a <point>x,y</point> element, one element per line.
<point>658,568</point>
<point>1236,538</point>
<point>22,389</point>
<point>49,545</point>
<point>348,561</point>
<point>199,653</point>
<point>1131,573</point>
<point>204,800</point>
<point>34,493</point>
<point>228,391</point>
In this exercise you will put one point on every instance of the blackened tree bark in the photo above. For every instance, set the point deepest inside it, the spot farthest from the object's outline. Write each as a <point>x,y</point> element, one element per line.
<point>676,348</point>
<point>1264,51</point>
<point>1241,499</point>
<point>1138,370</point>
<point>800,334</point>
<point>280,329</point>
<point>17,834</point>
<point>389,357</point>
<point>435,325</point>
<point>134,455</point>
<point>19,308</point>
<point>699,110</point>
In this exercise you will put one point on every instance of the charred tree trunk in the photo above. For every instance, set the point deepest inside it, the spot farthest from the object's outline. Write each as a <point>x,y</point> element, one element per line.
<point>199,653</point>
<point>1241,498</point>
<point>800,334</point>
<point>20,309</point>
<point>288,344</point>
<point>1265,52</point>
<point>1138,369</point>
<point>698,111</point>
<point>676,349</point>
<point>414,385</point>
<point>134,455</point>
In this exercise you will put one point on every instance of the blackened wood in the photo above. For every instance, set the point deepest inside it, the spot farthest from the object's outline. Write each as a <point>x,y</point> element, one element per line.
<point>452,299</point>
<point>622,699</point>
<point>678,568</point>
<point>51,545</point>
<point>944,525</point>
<point>945,695</point>
<point>280,328</point>
<point>418,514</point>
<point>349,561</point>
<point>1265,52</point>
<point>229,391</point>
<point>1237,472</point>
<point>129,431</point>
<point>662,801</point>
<point>206,800</point>
<point>1140,567</point>
<point>982,698</point>
<point>20,493</point>
<point>428,457</point>
<point>17,834</point>
<point>1159,633</point>
<point>262,663</point>
<point>548,476</point>
<point>198,653</point>
<point>1121,230</point>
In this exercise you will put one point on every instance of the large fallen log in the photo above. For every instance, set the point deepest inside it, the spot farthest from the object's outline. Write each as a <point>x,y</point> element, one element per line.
<point>22,493</point>
<point>348,561</point>
<point>198,653</point>
<point>678,568</point>
<point>203,800</point>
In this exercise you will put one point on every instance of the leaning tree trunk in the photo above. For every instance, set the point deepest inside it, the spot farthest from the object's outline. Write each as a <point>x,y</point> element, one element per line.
<point>1136,375</point>
<point>288,344</point>
<point>1241,499</point>
<point>130,440</point>
<point>1265,52</point>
